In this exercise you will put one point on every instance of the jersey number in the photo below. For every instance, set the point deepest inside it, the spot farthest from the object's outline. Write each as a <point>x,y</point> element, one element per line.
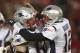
<point>68,41</point>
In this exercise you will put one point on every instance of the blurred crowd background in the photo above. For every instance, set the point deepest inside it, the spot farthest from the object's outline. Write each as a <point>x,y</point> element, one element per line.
<point>71,10</point>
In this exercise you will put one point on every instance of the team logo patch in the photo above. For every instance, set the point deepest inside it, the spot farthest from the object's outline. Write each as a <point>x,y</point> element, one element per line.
<point>65,27</point>
<point>18,40</point>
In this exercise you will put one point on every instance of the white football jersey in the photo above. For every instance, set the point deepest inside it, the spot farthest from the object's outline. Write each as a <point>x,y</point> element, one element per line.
<point>5,35</point>
<point>57,33</point>
<point>17,38</point>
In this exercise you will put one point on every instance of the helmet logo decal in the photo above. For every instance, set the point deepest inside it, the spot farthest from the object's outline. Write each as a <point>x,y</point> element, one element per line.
<point>20,15</point>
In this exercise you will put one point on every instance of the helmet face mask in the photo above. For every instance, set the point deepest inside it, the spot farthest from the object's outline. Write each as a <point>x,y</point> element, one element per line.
<point>30,22</point>
<point>53,12</point>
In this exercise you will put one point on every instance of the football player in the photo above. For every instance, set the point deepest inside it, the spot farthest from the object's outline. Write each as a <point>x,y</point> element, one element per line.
<point>5,35</point>
<point>26,19</point>
<point>57,29</point>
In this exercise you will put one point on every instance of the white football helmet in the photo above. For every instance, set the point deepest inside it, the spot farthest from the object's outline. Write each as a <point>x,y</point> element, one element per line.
<point>24,13</point>
<point>53,12</point>
<point>2,17</point>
